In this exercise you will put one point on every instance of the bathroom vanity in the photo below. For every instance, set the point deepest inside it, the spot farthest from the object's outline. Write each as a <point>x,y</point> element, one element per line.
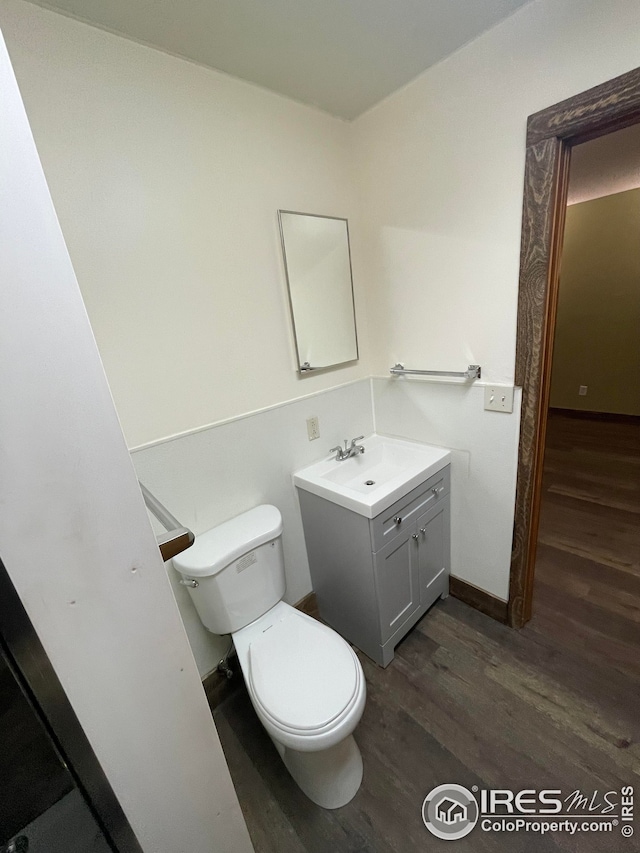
<point>379,557</point>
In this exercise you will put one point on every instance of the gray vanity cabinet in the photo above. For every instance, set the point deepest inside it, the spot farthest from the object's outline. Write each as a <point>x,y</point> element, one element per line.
<point>434,547</point>
<point>374,578</point>
<point>397,579</point>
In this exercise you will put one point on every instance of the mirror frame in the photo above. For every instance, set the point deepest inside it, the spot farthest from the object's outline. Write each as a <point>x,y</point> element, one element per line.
<point>304,368</point>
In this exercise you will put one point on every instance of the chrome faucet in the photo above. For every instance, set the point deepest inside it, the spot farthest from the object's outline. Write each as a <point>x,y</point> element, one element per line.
<point>349,450</point>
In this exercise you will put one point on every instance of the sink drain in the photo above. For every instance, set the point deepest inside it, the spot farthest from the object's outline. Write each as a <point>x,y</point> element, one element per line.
<point>369,482</point>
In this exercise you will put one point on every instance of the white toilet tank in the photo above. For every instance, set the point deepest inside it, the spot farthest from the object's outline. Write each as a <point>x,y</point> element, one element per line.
<point>238,568</point>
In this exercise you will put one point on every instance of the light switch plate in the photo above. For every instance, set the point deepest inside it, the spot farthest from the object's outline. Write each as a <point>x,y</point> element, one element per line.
<point>498,398</point>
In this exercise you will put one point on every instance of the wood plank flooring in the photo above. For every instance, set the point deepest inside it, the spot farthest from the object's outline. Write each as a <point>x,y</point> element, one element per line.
<point>468,700</point>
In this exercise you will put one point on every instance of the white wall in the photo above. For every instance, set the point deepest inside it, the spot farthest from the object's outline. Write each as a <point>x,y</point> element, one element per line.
<point>167,178</point>
<point>75,538</point>
<point>213,474</point>
<point>441,167</point>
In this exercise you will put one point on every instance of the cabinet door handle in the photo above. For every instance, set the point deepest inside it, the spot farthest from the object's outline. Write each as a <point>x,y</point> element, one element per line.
<point>423,530</point>
<point>436,491</point>
<point>397,519</point>
<point>414,535</point>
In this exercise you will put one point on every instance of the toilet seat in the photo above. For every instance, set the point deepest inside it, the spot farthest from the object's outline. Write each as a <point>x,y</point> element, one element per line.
<point>303,675</point>
<point>291,674</point>
<point>281,729</point>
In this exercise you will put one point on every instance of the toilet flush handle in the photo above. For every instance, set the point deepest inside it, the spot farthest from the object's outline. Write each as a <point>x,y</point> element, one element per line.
<point>189,582</point>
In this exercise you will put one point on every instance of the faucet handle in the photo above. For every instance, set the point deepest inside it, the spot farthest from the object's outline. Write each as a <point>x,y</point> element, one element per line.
<point>354,440</point>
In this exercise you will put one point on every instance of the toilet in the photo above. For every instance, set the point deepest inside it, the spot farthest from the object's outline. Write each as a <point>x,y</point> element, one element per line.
<point>304,680</point>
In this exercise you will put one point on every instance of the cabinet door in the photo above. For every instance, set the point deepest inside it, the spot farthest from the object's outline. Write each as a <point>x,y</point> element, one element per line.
<point>397,582</point>
<point>434,550</point>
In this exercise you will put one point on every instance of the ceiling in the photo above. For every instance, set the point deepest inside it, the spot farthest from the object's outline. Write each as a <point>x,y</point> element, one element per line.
<point>342,56</point>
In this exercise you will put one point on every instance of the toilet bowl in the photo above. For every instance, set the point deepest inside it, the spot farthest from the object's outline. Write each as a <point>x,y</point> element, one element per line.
<point>304,680</point>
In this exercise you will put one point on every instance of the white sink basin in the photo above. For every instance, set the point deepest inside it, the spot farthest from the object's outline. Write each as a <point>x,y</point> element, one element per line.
<point>369,483</point>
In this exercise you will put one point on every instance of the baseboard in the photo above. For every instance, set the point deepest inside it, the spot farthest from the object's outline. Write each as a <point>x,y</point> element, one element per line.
<point>218,687</point>
<point>612,417</point>
<point>308,605</point>
<point>479,598</point>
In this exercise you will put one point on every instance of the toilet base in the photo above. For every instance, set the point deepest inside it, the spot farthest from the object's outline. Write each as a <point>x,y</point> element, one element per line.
<point>330,777</point>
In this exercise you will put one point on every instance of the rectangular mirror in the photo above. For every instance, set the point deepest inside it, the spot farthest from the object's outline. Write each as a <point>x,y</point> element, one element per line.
<point>317,263</point>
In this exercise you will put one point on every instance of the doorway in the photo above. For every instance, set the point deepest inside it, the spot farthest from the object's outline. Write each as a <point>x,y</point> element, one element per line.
<point>587,572</point>
<point>551,134</point>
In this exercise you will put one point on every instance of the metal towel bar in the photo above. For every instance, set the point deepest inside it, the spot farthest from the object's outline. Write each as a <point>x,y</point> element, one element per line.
<point>472,372</point>
<point>177,538</point>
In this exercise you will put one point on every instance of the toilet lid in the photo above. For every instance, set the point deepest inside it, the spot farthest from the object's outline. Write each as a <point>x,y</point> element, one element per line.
<point>304,675</point>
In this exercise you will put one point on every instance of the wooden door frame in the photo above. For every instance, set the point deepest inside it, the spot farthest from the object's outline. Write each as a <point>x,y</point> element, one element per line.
<point>551,134</point>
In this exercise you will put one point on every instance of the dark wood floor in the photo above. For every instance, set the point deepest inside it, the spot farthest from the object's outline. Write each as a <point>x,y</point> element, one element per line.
<point>468,700</point>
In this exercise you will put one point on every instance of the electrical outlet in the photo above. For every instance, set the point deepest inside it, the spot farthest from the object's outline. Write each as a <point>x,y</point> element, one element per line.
<point>498,398</point>
<point>313,428</point>
<point>582,391</point>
